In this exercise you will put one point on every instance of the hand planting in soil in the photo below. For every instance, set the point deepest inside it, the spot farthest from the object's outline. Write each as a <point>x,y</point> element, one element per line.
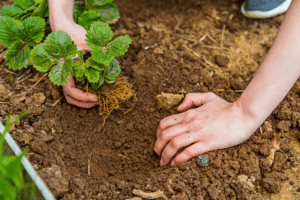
<point>218,124</point>
<point>22,27</point>
<point>12,181</point>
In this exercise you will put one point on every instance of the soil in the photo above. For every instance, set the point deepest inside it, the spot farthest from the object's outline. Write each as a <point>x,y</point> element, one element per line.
<point>195,46</point>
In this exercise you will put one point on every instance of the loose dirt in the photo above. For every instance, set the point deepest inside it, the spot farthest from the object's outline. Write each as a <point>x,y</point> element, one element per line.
<point>195,46</point>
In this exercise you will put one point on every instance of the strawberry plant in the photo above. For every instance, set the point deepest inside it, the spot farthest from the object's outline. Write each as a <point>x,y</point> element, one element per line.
<point>58,49</point>
<point>12,181</point>
<point>20,37</point>
<point>22,9</point>
<point>22,29</point>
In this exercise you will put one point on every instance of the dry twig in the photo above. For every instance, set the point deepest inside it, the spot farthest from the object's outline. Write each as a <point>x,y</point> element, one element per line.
<point>37,82</point>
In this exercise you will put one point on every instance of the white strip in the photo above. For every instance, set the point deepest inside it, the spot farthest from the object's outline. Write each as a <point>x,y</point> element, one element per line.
<point>28,167</point>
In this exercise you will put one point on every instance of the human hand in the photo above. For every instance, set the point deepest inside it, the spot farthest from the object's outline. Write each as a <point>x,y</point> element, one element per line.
<point>216,124</point>
<point>78,97</point>
<point>73,95</point>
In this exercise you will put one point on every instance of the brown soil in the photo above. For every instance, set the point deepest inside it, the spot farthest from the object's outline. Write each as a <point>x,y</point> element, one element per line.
<point>79,159</point>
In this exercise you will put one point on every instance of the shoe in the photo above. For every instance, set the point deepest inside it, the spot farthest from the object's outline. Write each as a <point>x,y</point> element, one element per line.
<point>261,9</point>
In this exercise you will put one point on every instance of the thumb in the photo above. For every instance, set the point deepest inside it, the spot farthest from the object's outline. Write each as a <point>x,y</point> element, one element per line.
<point>194,99</point>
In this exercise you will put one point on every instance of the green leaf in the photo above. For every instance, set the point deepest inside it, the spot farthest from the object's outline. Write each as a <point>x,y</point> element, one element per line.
<point>38,1</point>
<point>24,4</point>
<point>9,30</point>
<point>42,9</point>
<point>99,34</point>
<point>112,71</point>
<point>60,45</point>
<point>92,63</point>
<point>102,55</point>
<point>33,29</point>
<point>117,47</point>
<point>99,83</point>
<point>60,73</point>
<point>14,170</point>
<point>88,18</point>
<point>92,3</point>
<point>78,10</point>
<point>7,190</point>
<point>12,11</point>
<point>18,56</point>
<point>109,12</point>
<point>58,48</point>
<point>79,68</point>
<point>41,59</point>
<point>92,74</point>
<point>120,45</point>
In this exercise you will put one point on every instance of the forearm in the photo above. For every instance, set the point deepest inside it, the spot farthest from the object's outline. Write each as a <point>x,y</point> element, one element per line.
<point>60,12</point>
<point>279,71</point>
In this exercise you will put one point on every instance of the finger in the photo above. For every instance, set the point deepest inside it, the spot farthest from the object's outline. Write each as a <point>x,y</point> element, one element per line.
<point>80,104</point>
<point>190,152</point>
<point>170,121</point>
<point>196,99</point>
<point>71,91</point>
<point>175,144</point>
<point>167,135</point>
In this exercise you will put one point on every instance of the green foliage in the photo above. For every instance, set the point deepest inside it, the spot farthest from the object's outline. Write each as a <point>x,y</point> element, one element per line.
<point>58,49</point>
<point>22,29</point>
<point>182,91</point>
<point>22,9</point>
<point>20,37</point>
<point>102,51</point>
<point>88,18</point>
<point>108,9</point>
<point>11,172</point>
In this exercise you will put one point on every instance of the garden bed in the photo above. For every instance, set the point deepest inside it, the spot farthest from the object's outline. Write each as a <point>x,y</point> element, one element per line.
<point>80,159</point>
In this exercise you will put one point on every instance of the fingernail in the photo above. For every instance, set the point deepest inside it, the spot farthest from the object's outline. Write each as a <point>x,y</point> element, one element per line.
<point>173,164</point>
<point>162,163</point>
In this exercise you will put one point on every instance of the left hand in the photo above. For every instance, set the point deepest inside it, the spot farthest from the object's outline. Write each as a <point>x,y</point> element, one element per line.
<point>216,124</point>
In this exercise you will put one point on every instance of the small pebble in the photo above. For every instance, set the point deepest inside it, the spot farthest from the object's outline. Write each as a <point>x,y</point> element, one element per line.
<point>202,160</point>
<point>221,60</point>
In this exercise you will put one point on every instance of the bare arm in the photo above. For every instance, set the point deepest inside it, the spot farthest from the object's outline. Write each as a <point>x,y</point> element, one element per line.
<point>217,124</point>
<point>279,71</point>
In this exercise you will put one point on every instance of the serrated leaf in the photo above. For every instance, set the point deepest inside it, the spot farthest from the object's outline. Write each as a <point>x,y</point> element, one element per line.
<point>12,11</point>
<point>18,56</point>
<point>109,12</point>
<point>79,68</point>
<point>92,63</point>
<point>117,47</point>
<point>120,45</point>
<point>58,48</point>
<point>88,18</point>
<point>33,29</point>
<point>60,45</point>
<point>99,83</point>
<point>42,9</point>
<point>78,10</point>
<point>9,29</point>
<point>60,73</point>
<point>112,71</point>
<point>24,4</point>
<point>41,59</point>
<point>102,55</point>
<point>98,35</point>
<point>92,74</point>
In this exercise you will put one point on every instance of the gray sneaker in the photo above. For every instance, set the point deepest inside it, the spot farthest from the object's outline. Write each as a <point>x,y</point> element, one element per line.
<point>261,9</point>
